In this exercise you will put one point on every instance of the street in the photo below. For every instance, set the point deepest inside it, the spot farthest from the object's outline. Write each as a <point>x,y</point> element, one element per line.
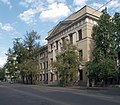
<point>19,94</point>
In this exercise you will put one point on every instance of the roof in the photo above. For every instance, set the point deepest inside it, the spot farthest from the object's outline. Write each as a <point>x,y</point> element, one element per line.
<point>72,19</point>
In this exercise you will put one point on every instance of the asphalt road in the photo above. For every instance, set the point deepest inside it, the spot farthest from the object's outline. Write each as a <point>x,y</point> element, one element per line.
<point>17,94</point>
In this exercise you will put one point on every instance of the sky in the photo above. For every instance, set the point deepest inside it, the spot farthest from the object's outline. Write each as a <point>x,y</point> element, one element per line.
<point>20,16</point>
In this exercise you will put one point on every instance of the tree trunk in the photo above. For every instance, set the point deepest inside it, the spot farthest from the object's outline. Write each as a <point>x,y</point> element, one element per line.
<point>23,79</point>
<point>26,79</point>
<point>106,80</point>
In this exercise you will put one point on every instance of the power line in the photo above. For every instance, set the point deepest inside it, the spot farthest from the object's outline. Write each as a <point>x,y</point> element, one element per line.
<point>102,6</point>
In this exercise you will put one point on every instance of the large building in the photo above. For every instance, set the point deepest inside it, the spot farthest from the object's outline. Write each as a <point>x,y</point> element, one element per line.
<point>43,65</point>
<point>75,29</point>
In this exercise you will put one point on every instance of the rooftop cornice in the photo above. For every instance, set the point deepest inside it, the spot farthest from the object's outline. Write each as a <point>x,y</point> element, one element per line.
<point>74,22</point>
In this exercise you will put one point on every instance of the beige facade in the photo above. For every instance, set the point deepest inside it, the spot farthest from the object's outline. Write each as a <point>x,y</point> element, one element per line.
<point>43,65</point>
<point>76,29</point>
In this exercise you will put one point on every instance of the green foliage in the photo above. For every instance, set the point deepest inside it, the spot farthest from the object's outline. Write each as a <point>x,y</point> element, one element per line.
<point>24,52</point>
<point>11,62</point>
<point>67,64</point>
<point>2,74</point>
<point>103,64</point>
<point>116,21</point>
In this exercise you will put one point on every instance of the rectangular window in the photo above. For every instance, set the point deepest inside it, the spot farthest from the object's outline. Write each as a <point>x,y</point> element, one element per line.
<point>43,77</point>
<point>63,41</point>
<point>71,38</point>
<point>46,53</point>
<point>40,65</point>
<point>44,65</point>
<point>51,75</point>
<point>51,47</point>
<point>40,77</point>
<point>51,61</point>
<point>47,77</point>
<point>80,34</point>
<point>81,74</point>
<point>56,45</point>
<point>56,76</point>
<point>47,64</point>
<point>81,54</point>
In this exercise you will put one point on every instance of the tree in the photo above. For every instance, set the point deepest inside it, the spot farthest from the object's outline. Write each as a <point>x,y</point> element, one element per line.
<point>20,54</point>
<point>116,21</point>
<point>22,57</point>
<point>2,74</point>
<point>67,64</point>
<point>11,63</point>
<point>103,64</point>
<point>30,62</point>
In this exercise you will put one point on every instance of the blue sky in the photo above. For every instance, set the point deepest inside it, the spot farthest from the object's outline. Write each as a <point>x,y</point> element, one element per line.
<point>19,16</point>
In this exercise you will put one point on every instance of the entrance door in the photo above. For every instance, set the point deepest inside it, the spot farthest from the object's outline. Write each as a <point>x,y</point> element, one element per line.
<point>81,75</point>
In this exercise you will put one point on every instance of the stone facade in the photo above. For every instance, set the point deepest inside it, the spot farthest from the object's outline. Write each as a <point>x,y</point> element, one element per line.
<point>76,29</point>
<point>43,65</point>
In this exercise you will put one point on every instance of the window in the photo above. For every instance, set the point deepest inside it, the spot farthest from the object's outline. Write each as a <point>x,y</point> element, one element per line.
<point>71,38</point>
<point>80,34</point>
<point>63,41</point>
<point>51,75</point>
<point>47,77</point>
<point>56,45</point>
<point>47,64</point>
<point>46,53</point>
<point>51,47</point>
<point>40,77</point>
<point>81,75</point>
<point>44,65</point>
<point>51,61</point>
<point>40,65</point>
<point>43,77</point>
<point>56,76</point>
<point>81,54</point>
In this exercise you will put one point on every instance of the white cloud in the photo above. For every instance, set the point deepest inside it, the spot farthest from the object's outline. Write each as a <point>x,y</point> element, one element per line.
<point>30,1</point>
<point>24,4</point>
<point>42,8</point>
<point>6,27</point>
<point>43,42</point>
<point>114,4</point>
<point>7,2</point>
<point>80,2</point>
<point>51,1</point>
<point>54,12</point>
<point>58,1</point>
<point>96,6</point>
<point>28,16</point>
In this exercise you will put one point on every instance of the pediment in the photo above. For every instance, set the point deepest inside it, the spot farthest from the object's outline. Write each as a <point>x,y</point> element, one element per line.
<point>60,26</point>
